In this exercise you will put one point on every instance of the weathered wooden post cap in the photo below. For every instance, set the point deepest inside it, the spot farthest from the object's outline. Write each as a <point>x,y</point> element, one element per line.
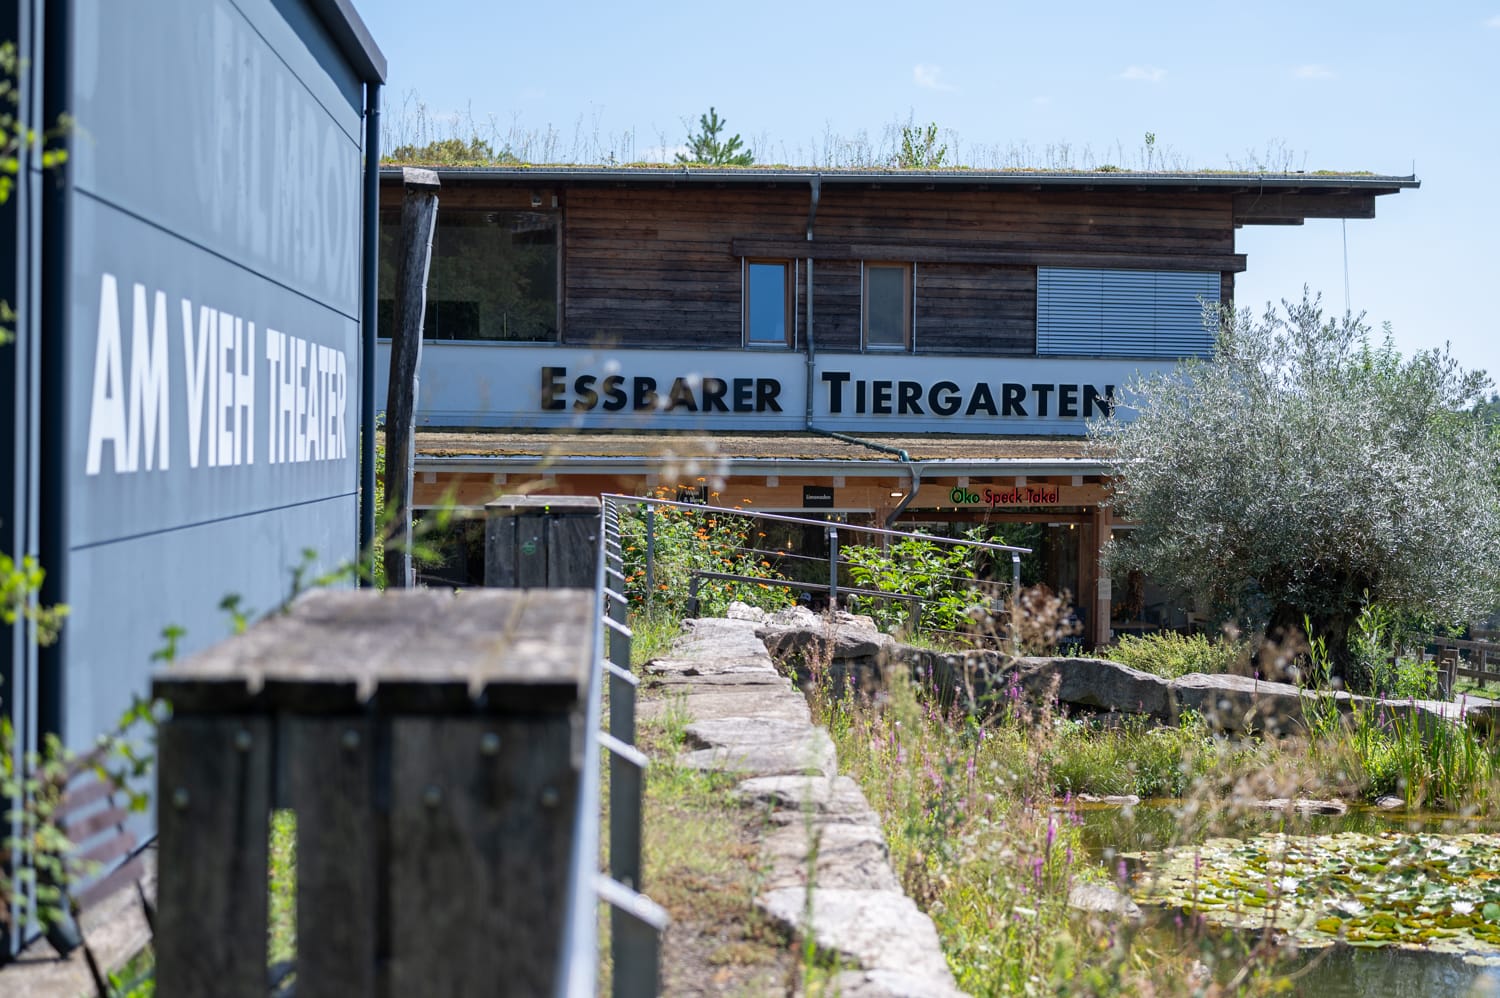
<point>416,178</point>
<point>406,651</point>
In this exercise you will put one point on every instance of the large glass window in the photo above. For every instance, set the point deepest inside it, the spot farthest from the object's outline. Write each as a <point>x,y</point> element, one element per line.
<point>493,275</point>
<point>768,305</point>
<point>887,306</point>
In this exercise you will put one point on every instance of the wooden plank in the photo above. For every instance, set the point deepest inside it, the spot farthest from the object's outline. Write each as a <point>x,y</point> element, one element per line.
<point>329,789</point>
<point>126,875</point>
<point>418,649</point>
<point>214,801</point>
<point>499,546</point>
<point>572,550</point>
<point>418,219</point>
<point>951,253</point>
<point>1288,205</point>
<point>83,829</point>
<point>479,849</point>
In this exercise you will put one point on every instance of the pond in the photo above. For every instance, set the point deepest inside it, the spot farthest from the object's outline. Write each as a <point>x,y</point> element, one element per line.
<point>1380,903</point>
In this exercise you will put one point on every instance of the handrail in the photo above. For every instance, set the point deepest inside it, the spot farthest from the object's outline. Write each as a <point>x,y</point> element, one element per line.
<point>637,923</point>
<point>809,521</point>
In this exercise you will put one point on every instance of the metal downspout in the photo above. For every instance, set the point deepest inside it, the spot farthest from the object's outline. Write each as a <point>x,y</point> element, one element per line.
<point>369,297</point>
<point>812,215</point>
<point>912,468</point>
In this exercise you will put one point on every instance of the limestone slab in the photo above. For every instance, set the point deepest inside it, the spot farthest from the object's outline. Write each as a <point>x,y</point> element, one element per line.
<point>876,930</point>
<point>852,857</point>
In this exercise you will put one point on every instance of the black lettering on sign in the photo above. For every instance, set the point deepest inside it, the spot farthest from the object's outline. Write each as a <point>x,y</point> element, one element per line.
<point>766,391</point>
<point>713,395</point>
<point>981,399</point>
<point>645,394</point>
<point>943,399</point>
<point>1013,395</point>
<point>835,381</point>
<point>1042,391</point>
<point>1104,403</point>
<point>584,389</point>
<point>553,386</point>
<point>681,395</point>
<point>1067,400</point>
<point>908,396</point>
<point>614,395</point>
<point>742,390</point>
<point>881,405</point>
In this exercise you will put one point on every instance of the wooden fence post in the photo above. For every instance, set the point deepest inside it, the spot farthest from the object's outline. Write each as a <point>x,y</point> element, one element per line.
<point>418,218</point>
<point>429,746</point>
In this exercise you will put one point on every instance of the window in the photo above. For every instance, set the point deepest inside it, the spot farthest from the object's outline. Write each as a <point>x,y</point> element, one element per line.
<point>768,305</point>
<point>1123,313</point>
<point>493,276</point>
<point>887,306</point>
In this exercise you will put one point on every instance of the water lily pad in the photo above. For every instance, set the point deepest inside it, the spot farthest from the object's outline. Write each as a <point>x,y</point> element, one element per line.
<point>1414,891</point>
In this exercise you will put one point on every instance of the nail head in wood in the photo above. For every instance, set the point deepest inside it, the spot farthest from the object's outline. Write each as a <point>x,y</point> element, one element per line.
<point>489,744</point>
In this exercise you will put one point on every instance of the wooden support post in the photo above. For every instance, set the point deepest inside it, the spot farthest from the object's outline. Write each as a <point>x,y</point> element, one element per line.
<point>429,745</point>
<point>418,218</point>
<point>541,542</point>
<point>1103,592</point>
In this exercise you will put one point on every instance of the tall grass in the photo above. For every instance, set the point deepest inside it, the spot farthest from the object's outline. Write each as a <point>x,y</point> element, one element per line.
<point>980,842</point>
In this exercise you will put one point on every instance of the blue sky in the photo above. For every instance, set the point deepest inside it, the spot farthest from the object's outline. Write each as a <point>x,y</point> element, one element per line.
<point>1372,86</point>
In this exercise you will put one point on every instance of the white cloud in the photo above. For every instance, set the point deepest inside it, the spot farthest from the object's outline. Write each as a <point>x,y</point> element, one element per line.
<point>930,77</point>
<point>1493,22</point>
<point>1313,71</point>
<point>1148,74</point>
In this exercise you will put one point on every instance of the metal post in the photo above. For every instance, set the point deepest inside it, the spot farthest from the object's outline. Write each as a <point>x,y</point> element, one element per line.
<point>833,567</point>
<point>650,553</point>
<point>692,606</point>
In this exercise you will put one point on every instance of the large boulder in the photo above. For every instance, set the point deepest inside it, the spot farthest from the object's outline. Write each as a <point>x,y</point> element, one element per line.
<point>1094,683</point>
<point>1244,704</point>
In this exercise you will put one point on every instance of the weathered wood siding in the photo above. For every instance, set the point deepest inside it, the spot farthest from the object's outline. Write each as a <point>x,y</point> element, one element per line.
<point>1087,221</point>
<point>971,308</point>
<point>652,268</point>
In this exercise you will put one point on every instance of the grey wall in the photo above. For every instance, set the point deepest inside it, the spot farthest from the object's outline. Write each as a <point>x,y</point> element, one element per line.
<point>214,212</point>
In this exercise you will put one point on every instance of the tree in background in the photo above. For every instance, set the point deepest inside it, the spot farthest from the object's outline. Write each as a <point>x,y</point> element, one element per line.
<point>1303,474</point>
<point>705,149</point>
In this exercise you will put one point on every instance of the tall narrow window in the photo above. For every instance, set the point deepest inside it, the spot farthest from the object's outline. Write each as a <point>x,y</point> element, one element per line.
<point>768,305</point>
<point>887,306</point>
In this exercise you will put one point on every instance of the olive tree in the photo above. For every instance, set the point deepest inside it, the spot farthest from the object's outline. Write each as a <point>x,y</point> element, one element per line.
<point>1304,472</point>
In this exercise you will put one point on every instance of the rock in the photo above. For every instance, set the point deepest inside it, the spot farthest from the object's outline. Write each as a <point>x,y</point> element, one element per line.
<point>845,636</point>
<point>817,794</point>
<point>1120,800</point>
<point>875,930</point>
<point>713,702</point>
<point>743,611</point>
<point>889,984</point>
<point>1389,803</point>
<point>1301,805</point>
<point>1097,683</point>
<point>1103,899</point>
<point>1244,703</point>
<point>850,857</point>
<point>764,746</point>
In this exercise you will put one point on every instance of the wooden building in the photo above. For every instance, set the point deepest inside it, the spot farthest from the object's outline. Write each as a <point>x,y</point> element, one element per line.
<point>887,346</point>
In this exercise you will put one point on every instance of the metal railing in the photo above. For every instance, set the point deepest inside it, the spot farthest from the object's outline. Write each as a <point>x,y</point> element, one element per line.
<point>832,529</point>
<point>636,922</point>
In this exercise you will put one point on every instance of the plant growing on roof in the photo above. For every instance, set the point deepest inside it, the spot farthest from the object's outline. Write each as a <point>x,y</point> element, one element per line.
<point>706,149</point>
<point>1304,472</point>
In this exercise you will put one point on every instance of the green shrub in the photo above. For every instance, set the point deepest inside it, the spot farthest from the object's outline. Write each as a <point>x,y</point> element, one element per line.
<point>710,538</point>
<point>1170,655</point>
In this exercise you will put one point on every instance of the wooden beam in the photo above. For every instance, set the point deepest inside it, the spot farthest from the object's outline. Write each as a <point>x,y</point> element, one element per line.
<point>418,219</point>
<point>924,252</point>
<point>1271,208</point>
